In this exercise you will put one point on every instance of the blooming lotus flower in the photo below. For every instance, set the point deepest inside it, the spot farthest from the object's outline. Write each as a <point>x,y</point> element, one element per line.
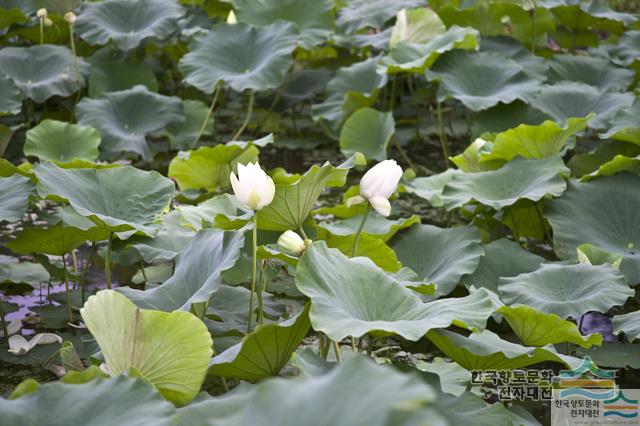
<point>377,185</point>
<point>290,242</point>
<point>252,187</point>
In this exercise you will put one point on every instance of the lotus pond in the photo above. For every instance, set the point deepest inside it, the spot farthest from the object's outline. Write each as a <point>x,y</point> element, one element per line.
<point>327,212</point>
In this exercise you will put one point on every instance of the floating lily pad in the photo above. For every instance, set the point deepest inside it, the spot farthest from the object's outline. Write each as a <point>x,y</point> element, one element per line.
<point>371,13</point>
<point>629,324</point>
<point>596,72</point>
<point>367,131</point>
<point>481,80</point>
<point>440,256</point>
<point>60,141</point>
<point>263,352</point>
<point>125,118</point>
<point>128,23</point>
<point>11,101</point>
<point>106,195</point>
<point>567,290</point>
<point>42,71</point>
<point>241,56</point>
<point>373,302</point>
<point>601,212</point>
<point>15,192</point>
<point>520,178</point>
<point>197,272</point>
<point>99,402</point>
<point>129,338</point>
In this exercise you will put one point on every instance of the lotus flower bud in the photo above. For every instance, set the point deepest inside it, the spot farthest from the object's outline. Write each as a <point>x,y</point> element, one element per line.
<point>290,242</point>
<point>42,13</point>
<point>48,22</point>
<point>231,18</point>
<point>377,185</point>
<point>252,187</point>
<point>70,17</point>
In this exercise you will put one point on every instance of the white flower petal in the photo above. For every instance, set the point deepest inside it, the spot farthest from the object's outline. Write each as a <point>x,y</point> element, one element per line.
<point>381,205</point>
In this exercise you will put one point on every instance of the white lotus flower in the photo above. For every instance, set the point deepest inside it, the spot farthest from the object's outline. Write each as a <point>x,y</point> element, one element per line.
<point>290,242</point>
<point>231,18</point>
<point>377,185</point>
<point>41,13</point>
<point>70,17</point>
<point>252,187</point>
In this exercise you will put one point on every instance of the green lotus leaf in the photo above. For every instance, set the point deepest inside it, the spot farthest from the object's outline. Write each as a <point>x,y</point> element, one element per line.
<point>416,26</point>
<point>470,408</point>
<point>205,407</point>
<point>542,141</point>
<point>109,73</point>
<point>374,302</point>
<point>567,290</point>
<point>314,20</point>
<point>481,80</point>
<point>415,58</point>
<point>520,178</point>
<point>601,212</point>
<point>629,324</point>
<point>229,308</point>
<point>241,56</point>
<point>348,394</point>
<point>42,71</point>
<point>120,400</point>
<point>359,14</point>
<point>469,161</point>
<point>60,141</point>
<point>531,64</point>
<point>376,225</point>
<point>209,167</point>
<point>125,118</point>
<point>15,192</point>
<point>367,131</point>
<point>11,100</point>
<point>15,12</point>
<point>453,378</point>
<point>507,116</point>
<point>487,351</point>
<point>625,51</point>
<point>263,352</point>
<point>502,258</point>
<point>56,240</point>
<point>222,211</point>
<point>588,253</point>
<point>596,72</point>
<point>430,188</point>
<point>128,23</point>
<point>565,100</point>
<point>183,136</point>
<point>197,272</point>
<point>293,201</point>
<point>439,255</point>
<point>589,162</point>
<point>369,246</point>
<point>618,355</point>
<point>164,246</point>
<point>618,164</point>
<point>625,125</point>
<point>535,328</point>
<point>106,195</point>
<point>129,338</point>
<point>13,271</point>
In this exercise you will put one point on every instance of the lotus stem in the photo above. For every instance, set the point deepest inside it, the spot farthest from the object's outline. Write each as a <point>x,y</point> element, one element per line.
<point>544,225</point>
<point>85,270</point>
<point>74,259</point>
<point>392,94</point>
<point>247,118</point>
<point>66,287</point>
<point>208,115</point>
<point>336,349</point>
<point>41,30</point>
<point>254,269</point>
<point>443,136</point>
<point>263,282</point>
<point>107,261</point>
<point>359,231</point>
<point>304,234</point>
<point>75,55</point>
<point>516,236</point>
<point>534,36</point>
<point>3,321</point>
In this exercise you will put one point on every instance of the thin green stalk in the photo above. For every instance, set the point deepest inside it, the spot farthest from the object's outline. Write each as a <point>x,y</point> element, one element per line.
<point>336,349</point>
<point>66,287</point>
<point>304,234</point>
<point>392,96</point>
<point>42,30</point>
<point>254,269</point>
<point>76,64</point>
<point>247,118</point>
<point>544,225</point>
<point>359,231</point>
<point>353,343</point>
<point>85,271</point>
<point>4,323</point>
<point>107,261</point>
<point>213,349</point>
<point>263,283</point>
<point>144,273</point>
<point>369,344</point>
<point>208,115</point>
<point>74,259</point>
<point>443,136</point>
<point>534,36</point>
<point>515,226</point>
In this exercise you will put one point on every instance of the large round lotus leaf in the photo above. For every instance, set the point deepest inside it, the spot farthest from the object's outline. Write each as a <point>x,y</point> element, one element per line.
<point>56,240</point>
<point>596,72</point>
<point>367,131</point>
<point>241,56</point>
<point>625,125</point>
<point>42,71</point>
<point>376,225</point>
<point>519,178</point>
<point>440,256</point>
<point>602,212</point>
<point>570,99</point>
<point>353,297</point>
<point>481,80</point>
<point>507,116</point>
<point>123,198</point>
<point>532,65</point>
<point>625,51</point>
<point>184,136</point>
<point>13,271</point>
<point>629,324</point>
<point>170,350</point>
<point>197,272</point>
<point>567,290</point>
<point>120,400</point>
<point>11,100</point>
<point>15,192</point>
<point>314,20</point>
<point>350,394</point>
<point>430,188</point>
<point>371,13</point>
<point>110,73</point>
<point>15,12</point>
<point>60,141</point>
<point>124,118</point>
<point>127,22</point>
